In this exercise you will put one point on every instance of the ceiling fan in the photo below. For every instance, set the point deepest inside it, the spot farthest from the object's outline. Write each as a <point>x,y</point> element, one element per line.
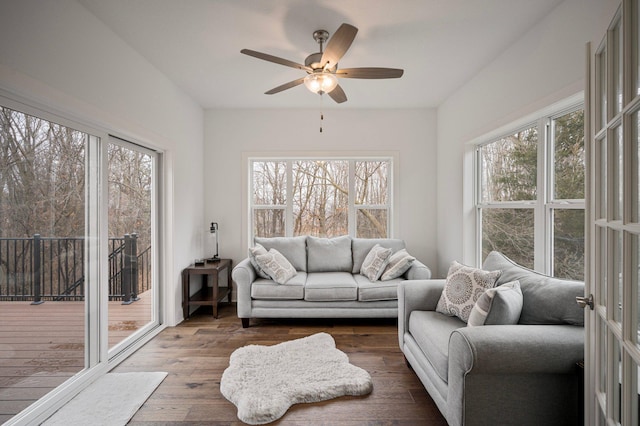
<point>322,67</point>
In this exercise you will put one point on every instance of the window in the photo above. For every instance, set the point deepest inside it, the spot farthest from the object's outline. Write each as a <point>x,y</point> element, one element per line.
<point>530,194</point>
<point>323,197</point>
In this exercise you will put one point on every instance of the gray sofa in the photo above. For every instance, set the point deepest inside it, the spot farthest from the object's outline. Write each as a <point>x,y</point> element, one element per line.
<point>522,374</point>
<point>327,284</point>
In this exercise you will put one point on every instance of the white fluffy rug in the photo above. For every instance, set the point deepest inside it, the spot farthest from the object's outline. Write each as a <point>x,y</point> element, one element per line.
<point>264,381</point>
<point>110,401</point>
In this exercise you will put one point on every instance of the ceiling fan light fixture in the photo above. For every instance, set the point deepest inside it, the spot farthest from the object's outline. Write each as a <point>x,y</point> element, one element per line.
<point>323,82</point>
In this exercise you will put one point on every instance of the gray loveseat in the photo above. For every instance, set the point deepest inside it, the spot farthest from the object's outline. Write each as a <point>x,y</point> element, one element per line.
<point>522,374</point>
<point>327,284</point>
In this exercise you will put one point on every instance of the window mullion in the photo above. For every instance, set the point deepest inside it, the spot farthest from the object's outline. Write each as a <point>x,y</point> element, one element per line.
<point>288,218</point>
<point>352,211</point>
<point>96,248</point>
<point>477,193</point>
<point>543,229</point>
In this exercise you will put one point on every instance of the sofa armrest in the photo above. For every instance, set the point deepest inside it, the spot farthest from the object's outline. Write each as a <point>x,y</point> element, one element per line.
<point>418,271</point>
<point>508,353</point>
<point>415,295</point>
<point>244,274</point>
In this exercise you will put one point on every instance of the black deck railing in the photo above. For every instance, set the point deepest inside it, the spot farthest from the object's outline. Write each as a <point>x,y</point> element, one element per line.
<point>46,268</point>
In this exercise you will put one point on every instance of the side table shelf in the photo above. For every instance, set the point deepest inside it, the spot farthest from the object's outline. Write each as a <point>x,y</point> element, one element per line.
<point>209,296</point>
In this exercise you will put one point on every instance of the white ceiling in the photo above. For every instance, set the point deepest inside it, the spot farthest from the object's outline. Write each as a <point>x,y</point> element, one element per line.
<point>440,44</point>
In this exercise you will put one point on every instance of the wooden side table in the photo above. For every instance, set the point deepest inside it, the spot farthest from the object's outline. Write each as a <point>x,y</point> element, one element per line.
<point>206,296</point>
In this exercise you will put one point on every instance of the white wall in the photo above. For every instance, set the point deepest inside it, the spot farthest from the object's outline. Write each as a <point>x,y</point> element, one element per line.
<point>411,133</point>
<point>58,55</point>
<point>546,65</point>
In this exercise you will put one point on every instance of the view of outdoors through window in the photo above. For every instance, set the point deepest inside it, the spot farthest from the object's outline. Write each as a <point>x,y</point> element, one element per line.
<point>130,184</point>
<point>42,228</point>
<point>568,184</point>
<point>508,194</point>
<point>508,173</point>
<point>43,259</point>
<point>318,197</point>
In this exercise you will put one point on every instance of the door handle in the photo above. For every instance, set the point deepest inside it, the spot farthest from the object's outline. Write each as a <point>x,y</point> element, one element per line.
<point>583,302</point>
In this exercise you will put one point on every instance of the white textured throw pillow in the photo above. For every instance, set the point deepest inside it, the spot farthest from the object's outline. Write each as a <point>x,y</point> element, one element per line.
<point>462,289</point>
<point>277,266</point>
<point>254,251</point>
<point>399,263</point>
<point>375,262</point>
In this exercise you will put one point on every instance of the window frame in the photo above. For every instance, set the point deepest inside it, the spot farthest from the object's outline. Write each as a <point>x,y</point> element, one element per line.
<point>545,203</point>
<point>249,158</point>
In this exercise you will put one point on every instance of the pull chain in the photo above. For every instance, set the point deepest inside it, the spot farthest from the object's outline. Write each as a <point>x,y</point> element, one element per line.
<point>321,108</point>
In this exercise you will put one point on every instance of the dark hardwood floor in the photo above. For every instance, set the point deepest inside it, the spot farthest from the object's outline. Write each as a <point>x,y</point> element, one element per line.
<point>196,352</point>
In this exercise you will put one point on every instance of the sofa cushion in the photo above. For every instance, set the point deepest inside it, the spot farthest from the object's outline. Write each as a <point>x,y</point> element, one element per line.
<point>462,289</point>
<point>500,305</point>
<point>418,271</point>
<point>545,300</point>
<point>431,331</point>
<point>276,266</point>
<point>360,248</point>
<point>256,251</point>
<point>269,290</point>
<point>329,254</point>
<point>378,290</point>
<point>399,263</point>
<point>375,262</point>
<point>330,286</point>
<point>293,248</point>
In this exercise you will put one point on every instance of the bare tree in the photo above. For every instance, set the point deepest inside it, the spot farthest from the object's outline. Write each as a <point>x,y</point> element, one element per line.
<point>42,177</point>
<point>130,185</point>
<point>320,197</point>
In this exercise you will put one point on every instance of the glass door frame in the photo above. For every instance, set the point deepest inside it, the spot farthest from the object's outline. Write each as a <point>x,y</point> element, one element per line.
<point>98,358</point>
<point>156,179</point>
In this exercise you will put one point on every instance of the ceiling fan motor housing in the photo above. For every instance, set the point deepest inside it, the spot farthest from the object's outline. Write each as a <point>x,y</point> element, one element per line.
<point>313,62</point>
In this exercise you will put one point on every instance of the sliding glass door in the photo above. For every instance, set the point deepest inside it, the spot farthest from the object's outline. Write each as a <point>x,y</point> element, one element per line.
<point>43,257</point>
<point>78,256</point>
<point>132,241</point>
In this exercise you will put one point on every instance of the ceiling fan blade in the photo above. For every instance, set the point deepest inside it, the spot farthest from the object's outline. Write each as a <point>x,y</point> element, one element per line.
<point>338,94</point>
<point>275,59</point>
<point>338,45</point>
<point>285,86</point>
<point>369,73</point>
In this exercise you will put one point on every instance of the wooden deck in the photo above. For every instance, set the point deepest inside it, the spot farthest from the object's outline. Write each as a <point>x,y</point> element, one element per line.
<point>41,346</point>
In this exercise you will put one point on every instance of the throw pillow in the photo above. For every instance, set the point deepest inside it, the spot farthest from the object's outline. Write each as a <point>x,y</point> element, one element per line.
<point>497,306</point>
<point>375,262</point>
<point>547,300</point>
<point>463,287</point>
<point>399,263</point>
<point>256,251</point>
<point>277,266</point>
